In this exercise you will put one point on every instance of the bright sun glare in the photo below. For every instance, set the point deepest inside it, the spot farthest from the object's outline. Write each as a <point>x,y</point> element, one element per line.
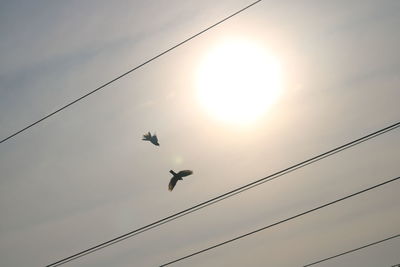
<point>238,82</point>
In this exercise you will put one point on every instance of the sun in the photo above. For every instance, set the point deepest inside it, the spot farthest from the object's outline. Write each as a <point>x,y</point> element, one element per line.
<point>238,81</point>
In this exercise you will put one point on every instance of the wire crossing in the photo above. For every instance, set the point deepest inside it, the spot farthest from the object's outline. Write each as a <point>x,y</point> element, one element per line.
<point>353,250</point>
<point>226,195</point>
<point>282,221</point>
<point>128,72</point>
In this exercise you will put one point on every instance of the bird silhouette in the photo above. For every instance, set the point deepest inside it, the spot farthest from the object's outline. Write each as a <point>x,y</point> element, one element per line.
<point>152,138</point>
<point>176,177</point>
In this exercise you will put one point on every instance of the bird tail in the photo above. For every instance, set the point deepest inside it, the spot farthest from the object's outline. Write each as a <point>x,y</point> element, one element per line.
<point>173,173</point>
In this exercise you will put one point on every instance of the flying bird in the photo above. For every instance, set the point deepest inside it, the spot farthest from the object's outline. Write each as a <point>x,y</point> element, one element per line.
<point>176,177</point>
<point>152,138</point>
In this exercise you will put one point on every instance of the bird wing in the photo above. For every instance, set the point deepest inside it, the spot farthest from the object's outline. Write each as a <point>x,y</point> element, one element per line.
<point>172,183</point>
<point>185,173</point>
<point>147,136</point>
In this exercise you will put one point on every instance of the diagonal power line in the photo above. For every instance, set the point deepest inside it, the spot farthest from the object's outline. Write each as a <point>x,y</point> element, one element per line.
<point>282,221</point>
<point>353,250</point>
<point>126,73</point>
<point>226,195</point>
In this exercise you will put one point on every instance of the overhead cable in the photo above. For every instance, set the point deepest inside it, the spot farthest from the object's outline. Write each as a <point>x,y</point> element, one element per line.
<point>126,73</point>
<point>353,250</point>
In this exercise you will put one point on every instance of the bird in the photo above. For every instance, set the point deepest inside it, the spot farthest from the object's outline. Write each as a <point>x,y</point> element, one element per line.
<point>176,177</point>
<point>152,138</point>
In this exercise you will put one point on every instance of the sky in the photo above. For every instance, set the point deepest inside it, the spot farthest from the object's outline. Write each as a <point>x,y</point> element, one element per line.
<point>84,176</point>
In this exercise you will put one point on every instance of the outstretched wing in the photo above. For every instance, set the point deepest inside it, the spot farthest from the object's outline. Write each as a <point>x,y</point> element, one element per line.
<point>147,136</point>
<point>172,183</point>
<point>185,173</point>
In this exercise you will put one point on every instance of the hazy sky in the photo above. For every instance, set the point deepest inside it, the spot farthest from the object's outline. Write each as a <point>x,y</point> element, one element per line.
<point>84,176</point>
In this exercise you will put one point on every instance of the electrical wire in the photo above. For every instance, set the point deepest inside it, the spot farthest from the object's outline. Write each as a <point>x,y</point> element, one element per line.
<point>353,250</point>
<point>128,72</point>
<point>225,195</point>
<point>282,221</point>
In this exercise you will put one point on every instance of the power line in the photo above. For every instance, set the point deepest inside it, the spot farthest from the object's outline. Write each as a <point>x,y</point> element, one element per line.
<point>128,72</point>
<point>225,195</point>
<point>353,250</point>
<point>282,221</point>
